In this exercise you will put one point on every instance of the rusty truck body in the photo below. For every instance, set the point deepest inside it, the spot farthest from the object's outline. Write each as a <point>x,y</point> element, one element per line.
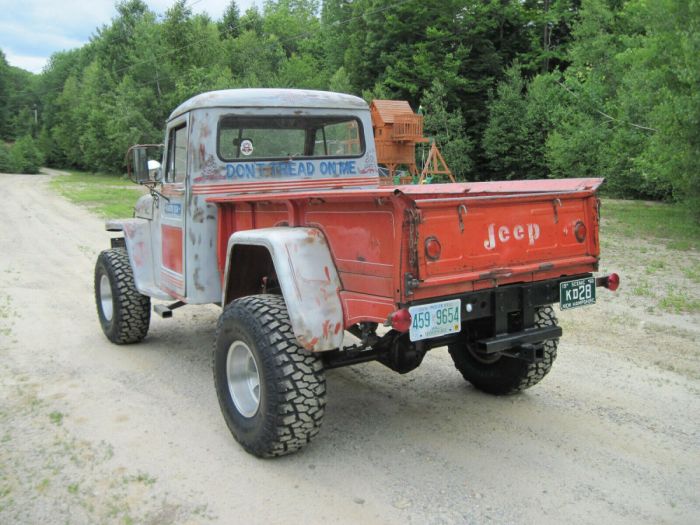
<point>267,203</point>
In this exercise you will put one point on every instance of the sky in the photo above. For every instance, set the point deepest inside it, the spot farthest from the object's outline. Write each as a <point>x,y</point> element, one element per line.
<point>32,30</point>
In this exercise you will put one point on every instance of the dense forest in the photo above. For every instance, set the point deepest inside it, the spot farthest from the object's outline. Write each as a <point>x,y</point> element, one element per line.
<point>509,89</point>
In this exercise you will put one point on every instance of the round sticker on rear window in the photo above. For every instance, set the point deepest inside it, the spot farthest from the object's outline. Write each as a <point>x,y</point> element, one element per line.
<point>246,147</point>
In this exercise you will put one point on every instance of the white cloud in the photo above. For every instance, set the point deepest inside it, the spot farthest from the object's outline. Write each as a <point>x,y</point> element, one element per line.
<point>29,63</point>
<point>36,37</point>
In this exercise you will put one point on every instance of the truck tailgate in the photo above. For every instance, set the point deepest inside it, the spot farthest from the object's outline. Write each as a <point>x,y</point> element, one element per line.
<point>505,232</point>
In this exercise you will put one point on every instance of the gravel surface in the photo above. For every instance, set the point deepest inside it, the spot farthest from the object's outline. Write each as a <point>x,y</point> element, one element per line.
<point>95,433</point>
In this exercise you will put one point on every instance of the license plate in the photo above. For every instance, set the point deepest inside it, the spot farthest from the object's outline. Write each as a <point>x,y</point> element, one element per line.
<point>576,293</point>
<point>435,319</point>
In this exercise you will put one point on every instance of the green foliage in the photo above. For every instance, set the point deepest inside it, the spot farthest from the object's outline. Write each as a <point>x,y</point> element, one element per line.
<point>445,127</point>
<point>520,117</point>
<point>666,77</point>
<point>254,68</point>
<point>549,30</point>
<point>230,24</point>
<point>293,22</point>
<point>25,156</point>
<point>18,101</point>
<point>625,108</point>
<point>527,89</point>
<point>4,97</point>
<point>5,164</point>
<point>340,81</point>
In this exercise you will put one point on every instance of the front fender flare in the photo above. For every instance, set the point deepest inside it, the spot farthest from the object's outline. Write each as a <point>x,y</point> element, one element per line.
<point>137,237</point>
<point>307,277</point>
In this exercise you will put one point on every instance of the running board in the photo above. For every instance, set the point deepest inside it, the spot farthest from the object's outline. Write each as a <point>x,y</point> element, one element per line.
<point>166,310</point>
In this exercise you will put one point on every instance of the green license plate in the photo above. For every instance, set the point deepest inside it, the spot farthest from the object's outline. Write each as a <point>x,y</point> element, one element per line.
<point>580,292</point>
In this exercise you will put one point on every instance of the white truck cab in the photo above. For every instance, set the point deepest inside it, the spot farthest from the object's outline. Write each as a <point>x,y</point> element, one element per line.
<point>238,141</point>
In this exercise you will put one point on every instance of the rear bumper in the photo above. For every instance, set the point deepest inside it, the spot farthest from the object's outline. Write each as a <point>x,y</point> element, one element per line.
<point>501,301</point>
<point>492,311</point>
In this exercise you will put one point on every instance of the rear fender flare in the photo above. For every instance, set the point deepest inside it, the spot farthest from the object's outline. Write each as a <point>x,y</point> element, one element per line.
<point>307,278</point>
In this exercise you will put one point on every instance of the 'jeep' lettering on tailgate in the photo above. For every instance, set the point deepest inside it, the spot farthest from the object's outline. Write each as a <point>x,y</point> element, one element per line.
<point>505,234</point>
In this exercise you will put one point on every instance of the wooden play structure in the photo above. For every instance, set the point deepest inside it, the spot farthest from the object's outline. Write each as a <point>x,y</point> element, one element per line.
<point>397,130</point>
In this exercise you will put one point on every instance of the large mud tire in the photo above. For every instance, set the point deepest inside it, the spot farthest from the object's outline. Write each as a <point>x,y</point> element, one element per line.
<point>271,391</point>
<point>506,375</point>
<point>124,313</point>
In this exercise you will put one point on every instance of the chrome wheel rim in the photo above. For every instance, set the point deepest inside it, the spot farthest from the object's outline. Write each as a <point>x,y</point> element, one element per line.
<point>106,297</point>
<point>243,379</point>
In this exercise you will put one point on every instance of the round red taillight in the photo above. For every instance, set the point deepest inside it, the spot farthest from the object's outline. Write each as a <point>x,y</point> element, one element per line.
<point>612,283</point>
<point>432,248</point>
<point>580,231</point>
<point>401,320</point>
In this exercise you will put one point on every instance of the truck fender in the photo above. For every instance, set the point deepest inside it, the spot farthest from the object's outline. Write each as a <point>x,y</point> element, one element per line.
<point>306,274</point>
<point>137,237</point>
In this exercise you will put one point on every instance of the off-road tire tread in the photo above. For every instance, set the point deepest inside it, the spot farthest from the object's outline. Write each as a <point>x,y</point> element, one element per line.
<point>297,398</point>
<point>132,311</point>
<point>522,377</point>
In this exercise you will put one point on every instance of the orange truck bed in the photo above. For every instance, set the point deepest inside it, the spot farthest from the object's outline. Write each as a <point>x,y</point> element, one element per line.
<point>481,235</point>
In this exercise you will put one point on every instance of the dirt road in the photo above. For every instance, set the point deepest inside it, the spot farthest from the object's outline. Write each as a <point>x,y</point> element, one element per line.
<point>95,433</point>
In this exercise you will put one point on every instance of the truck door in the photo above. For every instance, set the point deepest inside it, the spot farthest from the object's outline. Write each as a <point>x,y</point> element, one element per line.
<point>172,213</point>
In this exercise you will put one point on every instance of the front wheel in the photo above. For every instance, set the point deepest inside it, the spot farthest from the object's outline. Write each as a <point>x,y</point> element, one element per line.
<point>124,313</point>
<point>501,375</point>
<point>271,391</point>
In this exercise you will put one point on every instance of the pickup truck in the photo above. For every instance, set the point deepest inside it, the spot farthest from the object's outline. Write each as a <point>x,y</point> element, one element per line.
<point>267,203</point>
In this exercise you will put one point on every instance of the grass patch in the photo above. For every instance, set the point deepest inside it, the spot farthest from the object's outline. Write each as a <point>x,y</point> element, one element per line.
<point>141,477</point>
<point>693,273</point>
<point>674,224</point>
<point>56,418</point>
<point>110,196</point>
<point>654,266</point>
<point>643,289</point>
<point>679,302</point>
<point>43,485</point>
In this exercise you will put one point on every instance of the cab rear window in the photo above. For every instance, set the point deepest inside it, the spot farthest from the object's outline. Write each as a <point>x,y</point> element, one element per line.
<point>269,138</point>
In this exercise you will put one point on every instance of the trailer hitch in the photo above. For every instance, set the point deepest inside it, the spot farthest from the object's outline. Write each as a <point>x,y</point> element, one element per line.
<point>528,352</point>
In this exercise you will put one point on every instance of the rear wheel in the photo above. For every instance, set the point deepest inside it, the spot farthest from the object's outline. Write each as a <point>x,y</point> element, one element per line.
<point>124,313</point>
<point>501,375</point>
<point>271,391</point>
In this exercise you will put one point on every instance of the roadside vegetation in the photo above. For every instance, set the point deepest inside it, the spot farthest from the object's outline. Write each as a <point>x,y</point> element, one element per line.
<point>663,275</point>
<point>672,225</point>
<point>509,90</point>
<point>24,156</point>
<point>106,195</point>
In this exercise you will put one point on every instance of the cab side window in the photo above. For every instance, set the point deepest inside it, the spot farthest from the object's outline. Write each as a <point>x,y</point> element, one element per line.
<point>177,155</point>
